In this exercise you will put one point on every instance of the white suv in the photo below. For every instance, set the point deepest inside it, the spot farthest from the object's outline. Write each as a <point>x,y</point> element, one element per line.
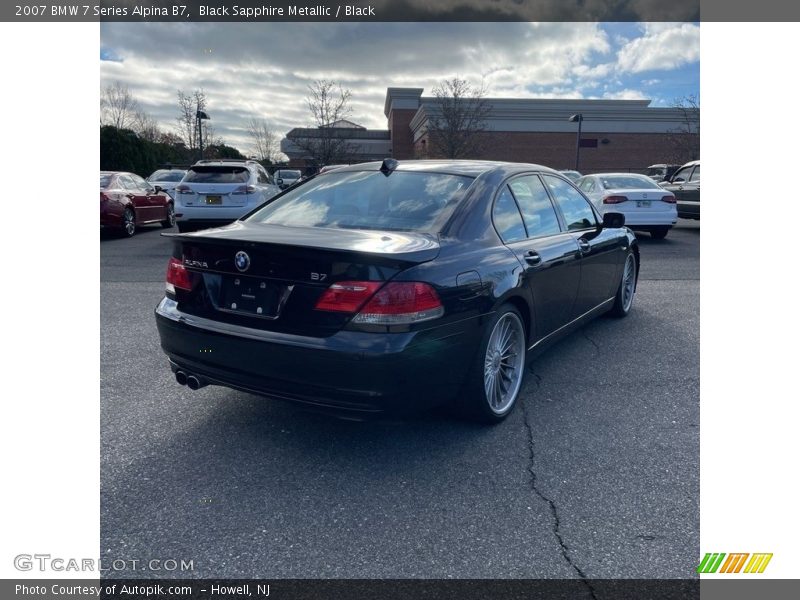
<point>217,192</point>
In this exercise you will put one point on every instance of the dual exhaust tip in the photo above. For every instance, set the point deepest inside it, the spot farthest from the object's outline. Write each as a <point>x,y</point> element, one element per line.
<point>192,381</point>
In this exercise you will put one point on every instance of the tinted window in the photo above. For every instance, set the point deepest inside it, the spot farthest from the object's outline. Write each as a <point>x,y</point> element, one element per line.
<point>283,173</point>
<point>682,174</point>
<point>507,219</point>
<point>409,201</point>
<point>105,180</point>
<point>695,174</point>
<point>537,210</point>
<point>165,175</point>
<point>627,182</point>
<point>126,182</point>
<point>576,209</point>
<point>217,175</point>
<point>140,183</point>
<point>586,184</point>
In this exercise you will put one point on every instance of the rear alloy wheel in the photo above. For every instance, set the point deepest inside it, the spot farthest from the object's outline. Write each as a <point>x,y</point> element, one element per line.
<point>494,383</point>
<point>659,233</point>
<point>627,288</point>
<point>170,220</point>
<point>128,223</point>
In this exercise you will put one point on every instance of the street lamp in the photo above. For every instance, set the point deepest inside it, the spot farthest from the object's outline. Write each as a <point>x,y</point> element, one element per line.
<point>201,116</point>
<point>579,118</point>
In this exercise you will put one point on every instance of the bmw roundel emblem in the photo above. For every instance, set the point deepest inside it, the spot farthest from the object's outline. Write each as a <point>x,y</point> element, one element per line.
<point>242,261</point>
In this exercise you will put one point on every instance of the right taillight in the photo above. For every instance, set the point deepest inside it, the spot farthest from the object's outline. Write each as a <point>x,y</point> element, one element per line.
<point>244,189</point>
<point>177,276</point>
<point>670,199</point>
<point>615,199</point>
<point>396,303</point>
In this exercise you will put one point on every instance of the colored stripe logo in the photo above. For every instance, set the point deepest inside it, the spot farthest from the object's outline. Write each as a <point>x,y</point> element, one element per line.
<point>714,562</point>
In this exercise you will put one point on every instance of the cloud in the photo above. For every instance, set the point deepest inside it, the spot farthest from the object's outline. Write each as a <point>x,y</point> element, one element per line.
<point>664,46</point>
<point>263,70</point>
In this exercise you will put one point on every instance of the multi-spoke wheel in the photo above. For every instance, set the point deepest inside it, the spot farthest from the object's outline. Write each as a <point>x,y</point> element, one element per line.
<point>128,223</point>
<point>627,288</point>
<point>170,220</point>
<point>494,383</point>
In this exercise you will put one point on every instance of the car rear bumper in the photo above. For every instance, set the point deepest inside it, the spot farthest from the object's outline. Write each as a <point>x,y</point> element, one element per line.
<point>353,372</point>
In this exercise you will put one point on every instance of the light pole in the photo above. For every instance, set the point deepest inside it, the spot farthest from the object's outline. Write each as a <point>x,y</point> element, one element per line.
<point>201,116</point>
<point>579,118</point>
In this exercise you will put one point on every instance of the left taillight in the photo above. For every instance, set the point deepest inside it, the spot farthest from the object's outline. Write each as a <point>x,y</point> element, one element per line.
<point>177,276</point>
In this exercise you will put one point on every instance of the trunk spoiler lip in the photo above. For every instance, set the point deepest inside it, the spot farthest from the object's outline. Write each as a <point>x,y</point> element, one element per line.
<point>389,244</point>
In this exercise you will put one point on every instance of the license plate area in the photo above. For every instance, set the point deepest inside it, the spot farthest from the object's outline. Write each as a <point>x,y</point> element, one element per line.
<point>215,200</point>
<point>643,204</point>
<point>252,296</point>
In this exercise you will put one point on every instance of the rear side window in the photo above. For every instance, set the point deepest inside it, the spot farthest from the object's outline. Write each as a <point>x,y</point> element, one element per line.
<point>104,181</point>
<point>507,219</point>
<point>537,210</point>
<point>217,175</point>
<point>126,182</point>
<point>576,209</point>
<point>403,201</point>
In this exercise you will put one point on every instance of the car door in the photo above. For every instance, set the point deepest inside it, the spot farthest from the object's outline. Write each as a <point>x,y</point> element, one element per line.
<point>156,203</point>
<point>137,196</point>
<point>685,184</point>
<point>548,254</point>
<point>600,249</point>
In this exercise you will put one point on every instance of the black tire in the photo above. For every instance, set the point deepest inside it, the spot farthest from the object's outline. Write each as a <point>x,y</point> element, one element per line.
<point>474,402</point>
<point>623,302</point>
<point>170,220</point>
<point>659,233</point>
<point>128,228</point>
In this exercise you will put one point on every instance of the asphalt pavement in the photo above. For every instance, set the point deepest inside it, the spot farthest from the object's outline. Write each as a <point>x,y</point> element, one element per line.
<point>595,474</point>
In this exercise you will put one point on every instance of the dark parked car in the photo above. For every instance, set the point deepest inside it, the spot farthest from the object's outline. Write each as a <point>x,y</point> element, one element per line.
<point>685,184</point>
<point>392,286</point>
<point>127,201</point>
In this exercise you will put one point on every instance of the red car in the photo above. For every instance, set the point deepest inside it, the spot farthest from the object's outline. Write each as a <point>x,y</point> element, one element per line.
<point>127,200</point>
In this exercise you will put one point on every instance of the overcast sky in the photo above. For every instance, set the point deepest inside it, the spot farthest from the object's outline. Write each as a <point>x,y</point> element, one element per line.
<point>264,69</point>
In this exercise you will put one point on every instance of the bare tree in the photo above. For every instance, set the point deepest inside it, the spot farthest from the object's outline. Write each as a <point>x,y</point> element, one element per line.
<point>188,105</point>
<point>684,140</point>
<point>118,107</point>
<point>327,144</point>
<point>264,139</point>
<point>146,127</point>
<point>458,119</point>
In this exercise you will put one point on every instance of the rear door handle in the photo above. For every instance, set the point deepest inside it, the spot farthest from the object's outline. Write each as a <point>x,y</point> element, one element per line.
<point>532,257</point>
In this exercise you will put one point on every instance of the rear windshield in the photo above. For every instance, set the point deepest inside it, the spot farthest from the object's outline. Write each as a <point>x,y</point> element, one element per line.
<point>403,201</point>
<point>105,179</point>
<point>166,175</point>
<point>288,174</point>
<point>217,175</point>
<point>628,183</point>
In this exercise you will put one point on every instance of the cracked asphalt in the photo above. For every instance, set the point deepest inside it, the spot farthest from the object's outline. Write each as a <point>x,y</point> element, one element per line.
<point>595,475</point>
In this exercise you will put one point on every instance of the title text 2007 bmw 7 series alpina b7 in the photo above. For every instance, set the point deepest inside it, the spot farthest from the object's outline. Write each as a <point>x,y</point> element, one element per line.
<point>392,286</point>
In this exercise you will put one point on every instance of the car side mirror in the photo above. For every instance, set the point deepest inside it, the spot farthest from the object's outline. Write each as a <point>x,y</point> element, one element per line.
<point>158,189</point>
<point>280,181</point>
<point>613,220</point>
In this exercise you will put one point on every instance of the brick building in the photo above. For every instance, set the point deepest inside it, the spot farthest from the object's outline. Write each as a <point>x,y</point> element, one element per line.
<point>616,134</point>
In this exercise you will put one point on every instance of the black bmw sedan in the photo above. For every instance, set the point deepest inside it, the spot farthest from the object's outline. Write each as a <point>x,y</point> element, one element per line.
<point>393,286</point>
